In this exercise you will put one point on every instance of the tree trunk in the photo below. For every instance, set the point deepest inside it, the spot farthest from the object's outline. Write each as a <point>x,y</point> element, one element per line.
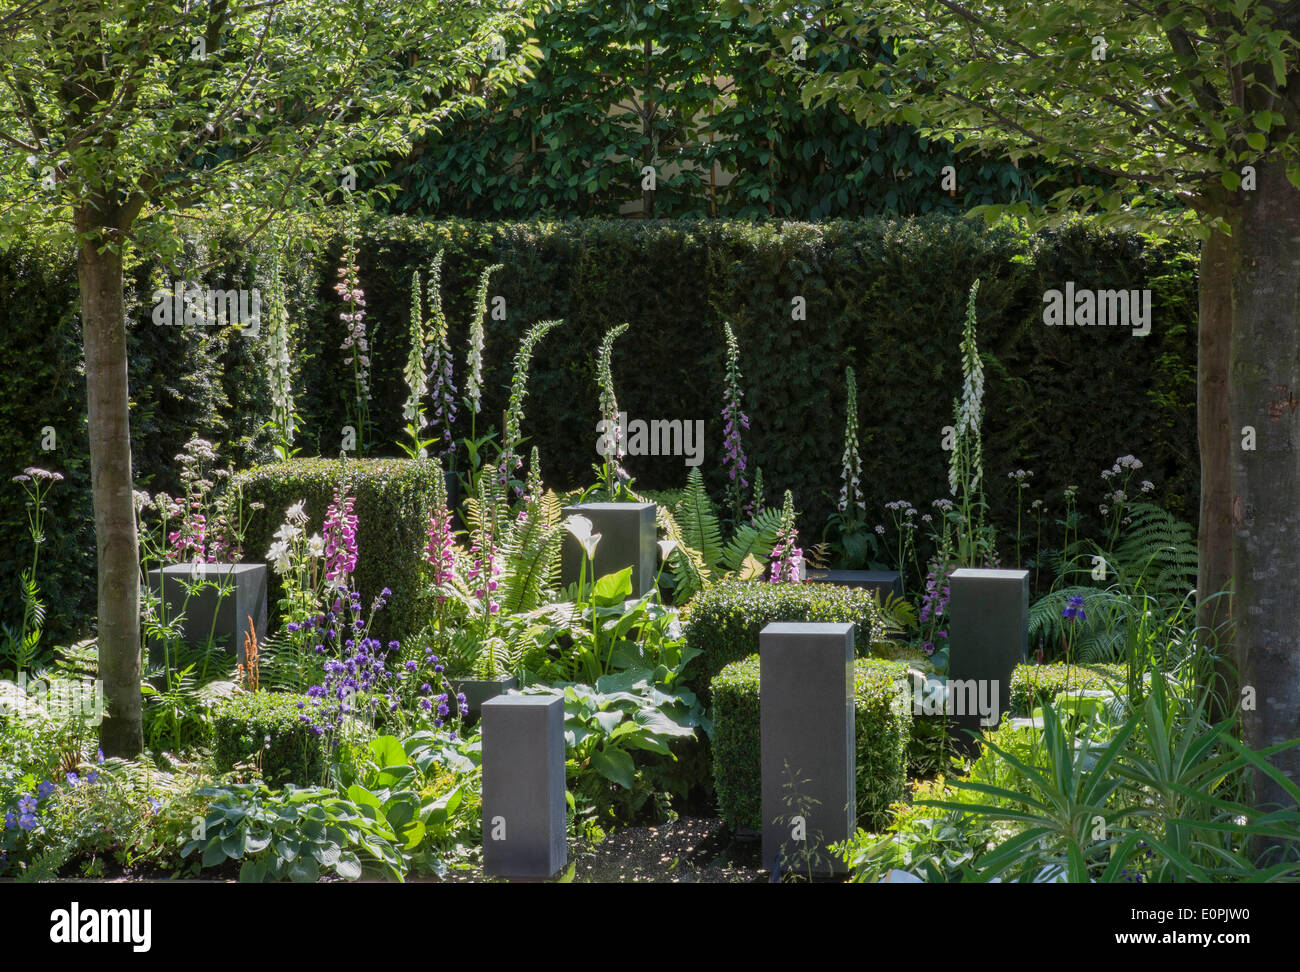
<point>1216,439</point>
<point>1264,384</point>
<point>103,329</point>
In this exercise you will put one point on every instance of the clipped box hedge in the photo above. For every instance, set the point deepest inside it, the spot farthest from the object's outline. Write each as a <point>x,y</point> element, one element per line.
<point>882,726</point>
<point>393,499</point>
<point>724,621</point>
<point>271,722</point>
<point>1032,685</point>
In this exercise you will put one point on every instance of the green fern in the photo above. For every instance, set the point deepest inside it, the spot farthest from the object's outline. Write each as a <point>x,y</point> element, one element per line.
<point>685,565</point>
<point>698,520</point>
<point>1157,555</point>
<point>897,613</point>
<point>754,539</point>
<point>531,557</point>
<point>1102,636</point>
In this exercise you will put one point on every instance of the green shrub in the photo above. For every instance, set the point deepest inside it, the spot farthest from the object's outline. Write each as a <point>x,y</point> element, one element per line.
<point>724,622</point>
<point>393,498</point>
<point>882,726</point>
<point>1032,685</point>
<point>272,723</point>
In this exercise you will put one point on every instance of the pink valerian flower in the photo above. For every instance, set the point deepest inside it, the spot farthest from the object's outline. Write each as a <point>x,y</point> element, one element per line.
<point>486,574</point>
<point>439,550</point>
<point>340,539</point>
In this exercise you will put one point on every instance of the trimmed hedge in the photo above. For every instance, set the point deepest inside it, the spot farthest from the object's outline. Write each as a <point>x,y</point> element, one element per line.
<point>882,727</point>
<point>885,296</point>
<point>724,622</point>
<point>1032,685</point>
<point>393,499</point>
<point>271,722</point>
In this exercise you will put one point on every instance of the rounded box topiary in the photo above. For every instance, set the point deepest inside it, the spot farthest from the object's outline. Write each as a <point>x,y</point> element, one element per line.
<point>724,621</point>
<point>882,725</point>
<point>270,724</point>
<point>1032,685</point>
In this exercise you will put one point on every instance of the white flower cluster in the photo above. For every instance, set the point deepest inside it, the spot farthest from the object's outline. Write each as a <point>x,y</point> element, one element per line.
<point>281,554</point>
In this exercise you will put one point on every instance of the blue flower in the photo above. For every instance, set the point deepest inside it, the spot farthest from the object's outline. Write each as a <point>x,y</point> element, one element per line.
<point>10,820</point>
<point>44,790</point>
<point>1074,609</point>
<point>99,756</point>
<point>92,776</point>
<point>73,779</point>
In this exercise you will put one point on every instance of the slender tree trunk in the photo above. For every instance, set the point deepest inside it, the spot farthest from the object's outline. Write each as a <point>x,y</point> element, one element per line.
<point>1264,385</point>
<point>103,328</point>
<point>1214,433</point>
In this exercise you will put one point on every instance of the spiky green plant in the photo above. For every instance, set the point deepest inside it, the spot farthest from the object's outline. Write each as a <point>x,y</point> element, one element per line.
<point>477,341</point>
<point>417,384</point>
<point>441,364</point>
<point>966,463</point>
<point>616,448</point>
<point>283,422</point>
<point>512,435</point>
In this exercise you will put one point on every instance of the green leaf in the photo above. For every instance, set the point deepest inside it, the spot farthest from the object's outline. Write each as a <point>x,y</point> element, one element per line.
<point>613,589</point>
<point>615,765</point>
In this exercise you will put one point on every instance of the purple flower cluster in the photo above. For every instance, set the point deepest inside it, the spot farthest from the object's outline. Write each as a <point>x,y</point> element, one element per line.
<point>438,551</point>
<point>733,420</point>
<point>444,399</point>
<point>26,812</point>
<point>357,679</point>
<point>934,603</point>
<point>431,703</point>
<point>1074,609</point>
<point>340,540</point>
<point>785,561</point>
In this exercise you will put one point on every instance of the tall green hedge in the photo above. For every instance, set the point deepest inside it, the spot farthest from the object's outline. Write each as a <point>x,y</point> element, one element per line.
<point>882,727</point>
<point>885,296</point>
<point>393,499</point>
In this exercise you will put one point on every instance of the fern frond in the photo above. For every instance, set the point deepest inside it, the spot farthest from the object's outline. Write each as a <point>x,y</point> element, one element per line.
<point>1101,637</point>
<point>1157,555</point>
<point>698,520</point>
<point>754,539</point>
<point>531,557</point>
<point>686,565</point>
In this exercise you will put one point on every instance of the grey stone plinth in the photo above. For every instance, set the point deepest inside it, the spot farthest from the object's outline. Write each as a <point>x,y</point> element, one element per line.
<point>884,581</point>
<point>220,609</point>
<point>988,635</point>
<point>479,690</point>
<point>627,539</point>
<point>523,786</point>
<point>808,760</point>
